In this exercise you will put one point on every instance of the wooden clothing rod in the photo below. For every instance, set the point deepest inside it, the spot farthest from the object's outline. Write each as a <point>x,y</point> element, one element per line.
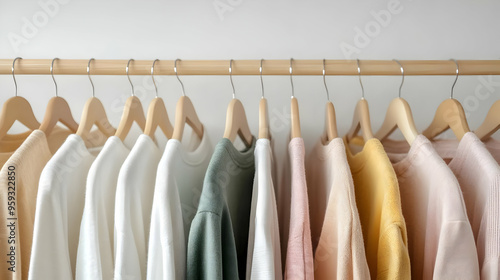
<point>251,67</point>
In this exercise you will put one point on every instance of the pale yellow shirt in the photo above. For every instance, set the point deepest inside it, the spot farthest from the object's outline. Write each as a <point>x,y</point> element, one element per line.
<point>379,206</point>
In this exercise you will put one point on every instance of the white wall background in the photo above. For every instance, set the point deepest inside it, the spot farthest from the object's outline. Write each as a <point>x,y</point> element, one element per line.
<point>243,29</point>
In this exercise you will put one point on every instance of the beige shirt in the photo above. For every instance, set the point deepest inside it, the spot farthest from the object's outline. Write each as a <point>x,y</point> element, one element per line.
<point>339,251</point>
<point>18,191</point>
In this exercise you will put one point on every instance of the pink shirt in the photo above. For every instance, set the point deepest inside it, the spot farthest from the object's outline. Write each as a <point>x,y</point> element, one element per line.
<point>440,239</point>
<point>299,255</point>
<point>479,176</point>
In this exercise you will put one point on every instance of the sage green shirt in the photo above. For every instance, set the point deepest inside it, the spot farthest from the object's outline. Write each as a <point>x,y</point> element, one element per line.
<point>217,245</point>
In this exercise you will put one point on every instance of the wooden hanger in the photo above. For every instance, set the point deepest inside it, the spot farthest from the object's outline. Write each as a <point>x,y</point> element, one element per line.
<point>185,114</point>
<point>236,119</point>
<point>236,123</point>
<point>330,120</point>
<point>18,109</point>
<point>491,123</point>
<point>264,132</point>
<point>294,106</point>
<point>295,118</point>
<point>157,114</point>
<point>361,121</point>
<point>361,118</point>
<point>94,114</point>
<point>15,109</point>
<point>57,111</point>
<point>132,112</point>
<point>449,115</point>
<point>330,123</point>
<point>398,115</point>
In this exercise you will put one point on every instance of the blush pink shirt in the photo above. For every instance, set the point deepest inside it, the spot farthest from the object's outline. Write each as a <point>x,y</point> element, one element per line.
<point>479,176</point>
<point>299,255</point>
<point>440,239</point>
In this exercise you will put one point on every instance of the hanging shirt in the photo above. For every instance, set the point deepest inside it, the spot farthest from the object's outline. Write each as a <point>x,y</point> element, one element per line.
<point>264,252</point>
<point>134,199</point>
<point>299,255</point>
<point>96,243</point>
<point>337,238</point>
<point>179,182</point>
<point>9,144</point>
<point>479,176</point>
<point>379,206</point>
<point>217,245</point>
<point>59,209</point>
<point>440,239</point>
<point>19,178</point>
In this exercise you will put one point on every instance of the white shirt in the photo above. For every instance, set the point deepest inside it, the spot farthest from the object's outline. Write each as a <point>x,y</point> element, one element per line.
<point>179,182</point>
<point>134,199</point>
<point>264,252</point>
<point>59,209</point>
<point>96,243</point>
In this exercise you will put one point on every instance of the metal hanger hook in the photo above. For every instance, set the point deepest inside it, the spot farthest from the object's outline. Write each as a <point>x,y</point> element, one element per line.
<point>52,73</point>
<point>402,76</point>
<point>153,76</point>
<point>13,72</point>
<point>130,81</point>
<point>231,76</point>
<point>456,78</point>
<point>291,78</point>
<point>175,70</point>
<point>90,79</point>
<point>324,81</point>
<point>261,81</point>
<point>360,82</point>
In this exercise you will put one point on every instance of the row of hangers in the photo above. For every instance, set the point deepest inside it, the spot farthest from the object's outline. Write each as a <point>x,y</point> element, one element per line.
<point>449,115</point>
